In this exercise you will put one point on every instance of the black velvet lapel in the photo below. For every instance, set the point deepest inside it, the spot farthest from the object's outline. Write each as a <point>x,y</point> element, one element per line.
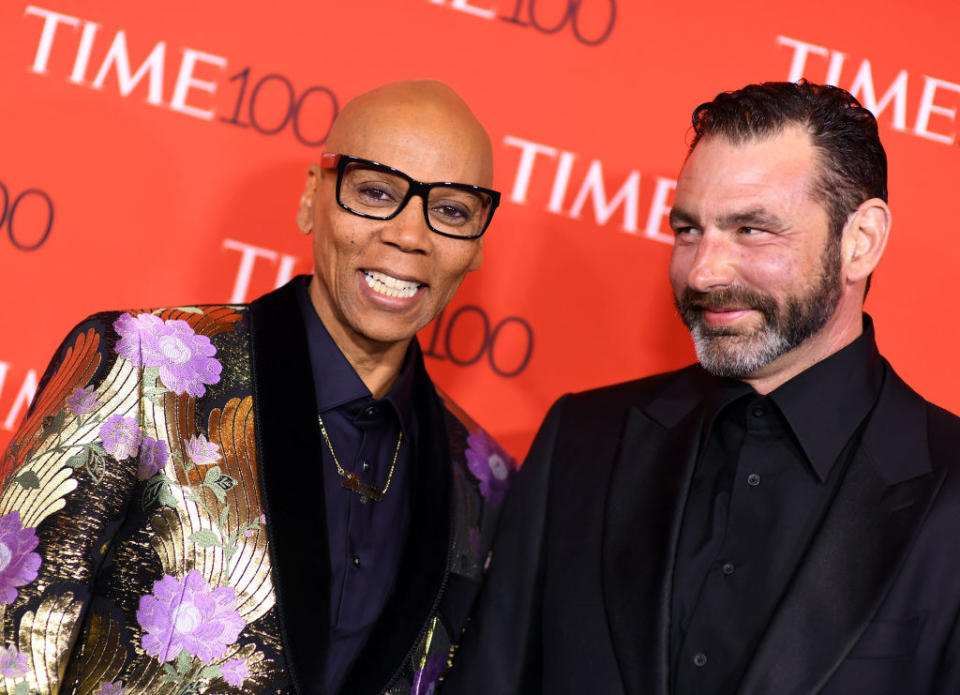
<point>855,555</point>
<point>648,488</point>
<point>423,569</point>
<point>288,454</point>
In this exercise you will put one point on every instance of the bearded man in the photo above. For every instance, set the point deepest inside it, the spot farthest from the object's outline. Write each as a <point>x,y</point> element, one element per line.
<point>781,517</point>
<point>273,497</point>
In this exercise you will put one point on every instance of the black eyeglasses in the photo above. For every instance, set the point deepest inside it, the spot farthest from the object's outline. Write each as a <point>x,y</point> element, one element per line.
<point>374,190</point>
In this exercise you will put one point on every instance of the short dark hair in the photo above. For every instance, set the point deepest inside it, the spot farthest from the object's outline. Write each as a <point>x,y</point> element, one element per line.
<point>853,164</point>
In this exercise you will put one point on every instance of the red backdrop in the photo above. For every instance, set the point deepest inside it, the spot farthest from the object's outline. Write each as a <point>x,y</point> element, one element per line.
<point>156,157</point>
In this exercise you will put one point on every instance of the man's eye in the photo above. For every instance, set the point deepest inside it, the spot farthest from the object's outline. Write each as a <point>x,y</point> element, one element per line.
<point>685,232</point>
<point>749,231</point>
<point>452,214</point>
<point>377,194</point>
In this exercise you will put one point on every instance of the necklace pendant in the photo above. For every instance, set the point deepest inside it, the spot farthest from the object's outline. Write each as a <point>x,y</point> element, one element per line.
<point>366,492</point>
<point>350,481</point>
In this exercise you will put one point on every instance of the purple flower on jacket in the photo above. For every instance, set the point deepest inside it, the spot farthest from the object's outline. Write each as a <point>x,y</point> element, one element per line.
<point>153,457</point>
<point>185,359</point>
<point>201,451</point>
<point>120,436</point>
<point>18,562</point>
<point>13,664</point>
<point>111,689</point>
<point>492,466</point>
<point>82,401</point>
<point>235,672</point>
<point>188,616</point>
<point>425,679</point>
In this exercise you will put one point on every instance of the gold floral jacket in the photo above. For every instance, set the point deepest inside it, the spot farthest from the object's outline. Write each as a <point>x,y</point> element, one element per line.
<point>159,523</point>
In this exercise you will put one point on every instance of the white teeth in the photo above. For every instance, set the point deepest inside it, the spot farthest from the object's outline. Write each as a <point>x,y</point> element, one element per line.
<point>382,283</point>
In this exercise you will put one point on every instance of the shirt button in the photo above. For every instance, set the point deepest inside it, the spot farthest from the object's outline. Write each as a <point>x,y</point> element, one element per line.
<point>365,466</point>
<point>370,410</point>
<point>356,561</point>
<point>699,659</point>
<point>759,412</point>
<point>753,479</point>
<point>728,568</point>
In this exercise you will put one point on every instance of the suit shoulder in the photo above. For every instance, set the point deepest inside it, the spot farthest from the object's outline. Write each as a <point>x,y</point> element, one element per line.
<point>943,427</point>
<point>457,419</point>
<point>90,347</point>
<point>943,417</point>
<point>944,431</point>
<point>112,325</point>
<point>636,393</point>
<point>105,321</point>
<point>452,407</point>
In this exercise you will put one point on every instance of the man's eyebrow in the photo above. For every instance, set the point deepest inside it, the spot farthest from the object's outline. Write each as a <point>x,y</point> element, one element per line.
<point>752,217</point>
<point>680,217</point>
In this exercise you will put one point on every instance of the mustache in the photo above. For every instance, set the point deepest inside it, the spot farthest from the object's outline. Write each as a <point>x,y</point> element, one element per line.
<point>692,302</point>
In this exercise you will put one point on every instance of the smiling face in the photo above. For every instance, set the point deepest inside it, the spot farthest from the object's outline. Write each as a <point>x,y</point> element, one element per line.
<point>756,275</point>
<point>377,282</point>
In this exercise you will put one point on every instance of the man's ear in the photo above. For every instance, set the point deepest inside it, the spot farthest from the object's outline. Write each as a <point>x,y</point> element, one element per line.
<point>477,260</point>
<point>308,199</point>
<point>864,239</point>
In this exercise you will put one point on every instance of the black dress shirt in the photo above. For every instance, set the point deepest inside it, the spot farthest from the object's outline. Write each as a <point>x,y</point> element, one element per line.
<point>767,470</point>
<point>366,539</point>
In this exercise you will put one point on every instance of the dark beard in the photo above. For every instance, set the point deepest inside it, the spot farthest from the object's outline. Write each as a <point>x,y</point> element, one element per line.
<point>730,352</point>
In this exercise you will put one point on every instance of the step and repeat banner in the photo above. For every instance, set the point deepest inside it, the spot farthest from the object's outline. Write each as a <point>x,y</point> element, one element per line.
<point>155,155</point>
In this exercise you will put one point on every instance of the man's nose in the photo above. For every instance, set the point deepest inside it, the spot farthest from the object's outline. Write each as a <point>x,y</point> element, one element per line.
<point>714,263</point>
<point>408,231</point>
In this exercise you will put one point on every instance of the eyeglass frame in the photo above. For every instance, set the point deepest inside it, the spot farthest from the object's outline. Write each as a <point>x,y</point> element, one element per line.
<point>331,160</point>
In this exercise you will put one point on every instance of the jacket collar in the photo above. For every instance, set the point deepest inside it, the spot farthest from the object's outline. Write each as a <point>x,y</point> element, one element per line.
<point>856,553</point>
<point>648,485</point>
<point>288,445</point>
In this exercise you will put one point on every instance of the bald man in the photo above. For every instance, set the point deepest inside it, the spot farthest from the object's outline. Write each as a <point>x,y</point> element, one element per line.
<point>270,497</point>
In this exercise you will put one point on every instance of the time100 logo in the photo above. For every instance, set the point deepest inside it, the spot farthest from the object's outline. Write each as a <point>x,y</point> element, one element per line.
<point>513,334</point>
<point>549,16</point>
<point>26,216</point>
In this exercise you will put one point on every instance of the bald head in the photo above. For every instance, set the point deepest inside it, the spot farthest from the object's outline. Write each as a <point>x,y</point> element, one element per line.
<point>415,120</point>
<point>379,278</point>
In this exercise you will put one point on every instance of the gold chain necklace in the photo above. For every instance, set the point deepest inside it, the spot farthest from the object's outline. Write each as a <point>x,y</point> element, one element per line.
<point>351,481</point>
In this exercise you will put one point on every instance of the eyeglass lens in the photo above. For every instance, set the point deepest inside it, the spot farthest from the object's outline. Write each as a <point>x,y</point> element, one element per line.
<point>378,193</point>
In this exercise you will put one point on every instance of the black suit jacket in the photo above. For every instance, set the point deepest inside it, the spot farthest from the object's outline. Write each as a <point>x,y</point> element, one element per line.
<point>578,595</point>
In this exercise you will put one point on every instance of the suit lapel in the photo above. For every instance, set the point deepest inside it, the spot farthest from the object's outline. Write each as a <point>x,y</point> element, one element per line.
<point>648,487</point>
<point>288,451</point>
<point>855,555</point>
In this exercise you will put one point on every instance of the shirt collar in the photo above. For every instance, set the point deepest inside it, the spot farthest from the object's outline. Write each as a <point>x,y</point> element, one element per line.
<point>401,393</point>
<point>825,404</point>
<point>337,383</point>
<point>721,392</point>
